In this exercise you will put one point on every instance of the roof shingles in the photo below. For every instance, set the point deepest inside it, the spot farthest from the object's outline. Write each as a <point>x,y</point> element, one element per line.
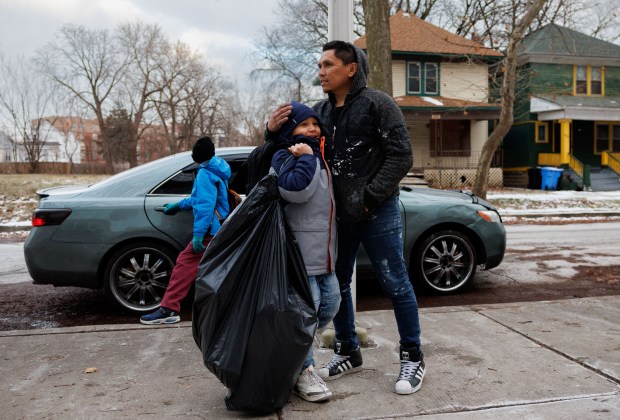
<point>409,33</point>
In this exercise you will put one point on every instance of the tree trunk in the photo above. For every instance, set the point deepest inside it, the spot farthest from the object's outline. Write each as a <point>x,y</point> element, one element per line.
<point>507,99</point>
<point>378,45</point>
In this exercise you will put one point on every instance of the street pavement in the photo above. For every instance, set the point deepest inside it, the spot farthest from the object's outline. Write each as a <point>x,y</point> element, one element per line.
<point>544,360</point>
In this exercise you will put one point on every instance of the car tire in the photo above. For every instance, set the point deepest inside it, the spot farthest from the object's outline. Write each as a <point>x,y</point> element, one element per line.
<point>137,275</point>
<point>445,263</point>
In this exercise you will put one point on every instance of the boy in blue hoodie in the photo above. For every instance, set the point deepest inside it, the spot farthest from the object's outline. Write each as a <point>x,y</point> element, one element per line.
<point>304,181</point>
<point>207,201</point>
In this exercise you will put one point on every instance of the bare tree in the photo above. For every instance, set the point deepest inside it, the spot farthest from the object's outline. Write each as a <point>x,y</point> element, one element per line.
<point>143,46</point>
<point>189,96</point>
<point>287,53</point>
<point>420,8</point>
<point>69,125</point>
<point>87,64</point>
<point>522,20</point>
<point>377,17</point>
<point>25,98</point>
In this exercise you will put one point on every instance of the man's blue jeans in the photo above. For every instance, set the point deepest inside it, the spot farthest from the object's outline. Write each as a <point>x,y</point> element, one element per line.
<point>326,297</point>
<point>382,237</point>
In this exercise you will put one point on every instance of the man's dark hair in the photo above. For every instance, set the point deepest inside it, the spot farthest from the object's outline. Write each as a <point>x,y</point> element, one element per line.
<point>342,50</point>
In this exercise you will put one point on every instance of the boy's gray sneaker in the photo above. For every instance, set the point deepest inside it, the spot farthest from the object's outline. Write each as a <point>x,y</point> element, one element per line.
<point>311,387</point>
<point>161,316</point>
<point>343,361</point>
<point>412,369</point>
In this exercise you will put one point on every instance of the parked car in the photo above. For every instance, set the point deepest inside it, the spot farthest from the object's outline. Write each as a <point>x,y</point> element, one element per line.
<point>113,235</point>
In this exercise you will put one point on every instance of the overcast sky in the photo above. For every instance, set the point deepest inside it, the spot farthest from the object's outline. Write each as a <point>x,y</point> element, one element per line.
<point>222,30</point>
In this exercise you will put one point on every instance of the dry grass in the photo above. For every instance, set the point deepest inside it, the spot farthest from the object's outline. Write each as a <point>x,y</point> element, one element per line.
<point>18,192</point>
<point>25,186</point>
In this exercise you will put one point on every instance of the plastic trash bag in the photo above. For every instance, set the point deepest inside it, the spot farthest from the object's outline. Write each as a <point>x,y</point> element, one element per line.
<point>253,315</point>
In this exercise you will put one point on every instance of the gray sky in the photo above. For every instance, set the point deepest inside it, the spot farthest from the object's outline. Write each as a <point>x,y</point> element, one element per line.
<point>222,30</point>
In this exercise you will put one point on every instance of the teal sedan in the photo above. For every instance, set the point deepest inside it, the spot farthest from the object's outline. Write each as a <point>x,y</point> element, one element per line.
<point>112,235</point>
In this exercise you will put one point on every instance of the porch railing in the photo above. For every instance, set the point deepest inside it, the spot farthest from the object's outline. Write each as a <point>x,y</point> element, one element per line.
<point>611,160</point>
<point>554,159</point>
<point>576,165</point>
<point>549,159</point>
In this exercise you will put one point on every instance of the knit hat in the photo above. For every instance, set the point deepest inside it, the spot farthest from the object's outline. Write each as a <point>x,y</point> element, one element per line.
<point>299,113</point>
<point>203,150</point>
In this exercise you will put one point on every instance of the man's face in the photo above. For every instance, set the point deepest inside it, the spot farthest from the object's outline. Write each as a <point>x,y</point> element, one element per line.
<point>334,75</point>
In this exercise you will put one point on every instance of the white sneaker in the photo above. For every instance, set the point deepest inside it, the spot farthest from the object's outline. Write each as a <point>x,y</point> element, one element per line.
<point>311,387</point>
<point>411,372</point>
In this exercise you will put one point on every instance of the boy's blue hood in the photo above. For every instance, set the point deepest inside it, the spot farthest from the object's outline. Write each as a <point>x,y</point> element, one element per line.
<point>217,166</point>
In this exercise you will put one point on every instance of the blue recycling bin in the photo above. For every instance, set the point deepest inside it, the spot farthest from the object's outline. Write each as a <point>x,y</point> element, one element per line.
<point>550,177</point>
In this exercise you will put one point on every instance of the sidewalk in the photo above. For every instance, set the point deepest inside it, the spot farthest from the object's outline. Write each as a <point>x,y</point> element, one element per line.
<point>551,360</point>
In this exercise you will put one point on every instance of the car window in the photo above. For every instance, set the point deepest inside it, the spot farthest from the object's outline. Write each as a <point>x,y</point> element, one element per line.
<point>182,182</point>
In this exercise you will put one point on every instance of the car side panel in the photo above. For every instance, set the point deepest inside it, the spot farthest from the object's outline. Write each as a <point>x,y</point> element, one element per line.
<point>72,264</point>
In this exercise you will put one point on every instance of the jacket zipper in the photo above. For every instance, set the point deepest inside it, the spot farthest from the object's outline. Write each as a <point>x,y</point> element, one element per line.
<point>331,202</point>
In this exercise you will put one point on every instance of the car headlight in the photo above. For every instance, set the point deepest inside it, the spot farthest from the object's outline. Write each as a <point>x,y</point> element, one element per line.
<point>489,216</point>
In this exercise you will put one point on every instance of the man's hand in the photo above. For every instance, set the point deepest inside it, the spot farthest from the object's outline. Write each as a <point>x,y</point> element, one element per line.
<point>279,117</point>
<point>198,245</point>
<point>300,149</point>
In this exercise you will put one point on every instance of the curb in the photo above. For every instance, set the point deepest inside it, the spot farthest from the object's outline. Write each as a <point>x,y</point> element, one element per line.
<point>560,213</point>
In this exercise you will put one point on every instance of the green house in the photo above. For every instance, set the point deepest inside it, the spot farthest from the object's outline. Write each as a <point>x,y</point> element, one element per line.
<point>567,109</point>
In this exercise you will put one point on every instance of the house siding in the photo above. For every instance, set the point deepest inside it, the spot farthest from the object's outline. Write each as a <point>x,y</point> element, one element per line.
<point>399,78</point>
<point>612,81</point>
<point>418,136</point>
<point>466,81</point>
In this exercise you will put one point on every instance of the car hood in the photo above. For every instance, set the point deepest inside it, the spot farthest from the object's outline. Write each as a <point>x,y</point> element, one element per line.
<point>66,191</point>
<point>443,196</point>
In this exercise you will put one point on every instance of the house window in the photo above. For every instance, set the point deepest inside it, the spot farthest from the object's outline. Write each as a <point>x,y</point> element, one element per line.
<point>422,78</point>
<point>430,78</point>
<point>607,137</point>
<point>589,80</point>
<point>542,132</point>
<point>596,81</point>
<point>415,76</point>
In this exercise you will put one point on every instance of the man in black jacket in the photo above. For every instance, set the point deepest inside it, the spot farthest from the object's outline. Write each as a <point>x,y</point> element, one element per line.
<point>369,153</point>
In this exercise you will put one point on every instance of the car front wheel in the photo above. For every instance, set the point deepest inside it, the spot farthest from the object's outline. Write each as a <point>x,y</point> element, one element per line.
<point>137,276</point>
<point>445,263</point>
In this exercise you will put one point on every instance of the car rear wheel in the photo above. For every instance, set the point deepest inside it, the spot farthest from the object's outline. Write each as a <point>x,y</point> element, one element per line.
<point>445,263</point>
<point>137,276</point>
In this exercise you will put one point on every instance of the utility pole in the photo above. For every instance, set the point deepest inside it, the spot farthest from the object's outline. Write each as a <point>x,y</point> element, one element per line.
<point>340,27</point>
<point>340,20</point>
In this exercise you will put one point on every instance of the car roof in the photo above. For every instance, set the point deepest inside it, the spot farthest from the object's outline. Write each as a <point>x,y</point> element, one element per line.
<point>139,180</point>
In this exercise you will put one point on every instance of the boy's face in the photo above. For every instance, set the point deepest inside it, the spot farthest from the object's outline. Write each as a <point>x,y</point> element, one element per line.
<point>309,128</point>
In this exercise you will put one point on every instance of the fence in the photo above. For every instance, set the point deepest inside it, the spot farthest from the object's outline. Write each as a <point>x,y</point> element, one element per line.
<point>53,168</point>
<point>460,172</point>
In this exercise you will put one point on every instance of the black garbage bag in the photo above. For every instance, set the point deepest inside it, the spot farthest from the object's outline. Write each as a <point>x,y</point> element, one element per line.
<point>253,315</point>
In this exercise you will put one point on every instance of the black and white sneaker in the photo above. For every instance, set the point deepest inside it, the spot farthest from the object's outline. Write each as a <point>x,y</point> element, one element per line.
<point>343,361</point>
<point>411,371</point>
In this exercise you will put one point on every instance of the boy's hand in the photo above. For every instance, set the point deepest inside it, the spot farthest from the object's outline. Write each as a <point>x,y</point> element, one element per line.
<point>279,117</point>
<point>300,149</point>
<point>198,245</point>
<point>170,209</point>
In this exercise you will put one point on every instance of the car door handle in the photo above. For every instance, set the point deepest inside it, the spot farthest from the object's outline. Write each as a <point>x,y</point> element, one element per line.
<point>160,208</point>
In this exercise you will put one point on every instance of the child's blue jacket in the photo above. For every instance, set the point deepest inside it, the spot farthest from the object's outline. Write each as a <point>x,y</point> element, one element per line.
<point>209,194</point>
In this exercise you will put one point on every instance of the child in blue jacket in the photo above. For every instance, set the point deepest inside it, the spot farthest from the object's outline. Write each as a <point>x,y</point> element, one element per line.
<point>304,181</point>
<point>208,196</point>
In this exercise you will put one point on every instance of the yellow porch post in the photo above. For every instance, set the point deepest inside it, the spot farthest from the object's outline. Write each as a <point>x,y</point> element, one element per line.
<point>565,142</point>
